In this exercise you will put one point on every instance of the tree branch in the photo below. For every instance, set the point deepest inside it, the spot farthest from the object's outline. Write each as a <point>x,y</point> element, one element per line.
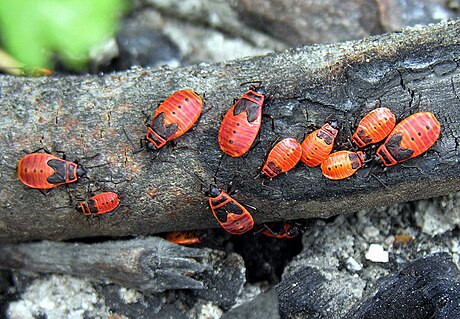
<point>150,264</point>
<point>410,71</point>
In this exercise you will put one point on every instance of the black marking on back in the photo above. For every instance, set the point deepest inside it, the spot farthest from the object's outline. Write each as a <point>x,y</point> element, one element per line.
<point>219,201</point>
<point>254,96</point>
<point>272,165</point>
<point>325,137</point>
<point>221,214</point>
<point>244,105</point>
<point>71,172</point>
<point>394,147</point>
<point>385,158</point>
<point>231,207</point>
<point>92,206</point>
<point>354,159</point>
<point>364,136</point>
<point>165,131</point>
<point>59,167</point>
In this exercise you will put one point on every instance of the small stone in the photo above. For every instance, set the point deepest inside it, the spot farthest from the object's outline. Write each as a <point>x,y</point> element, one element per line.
<point>435,221</point>
<point>141,43</point>
<point>377,254</point>
<point>371,232</point>
<point>209,310</point>
<point>130,295</point>
<point>352,265</point>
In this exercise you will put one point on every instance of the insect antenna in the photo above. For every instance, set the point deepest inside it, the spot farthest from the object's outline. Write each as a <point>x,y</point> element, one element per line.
<point>218,167</point>
<point>44,149</point>
<point>134,150</point>
<point>258,82</point>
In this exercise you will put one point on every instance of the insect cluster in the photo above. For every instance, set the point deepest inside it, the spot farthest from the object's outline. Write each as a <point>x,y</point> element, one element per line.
<point>239,128</point>
<point>45,171</point>
<point>241,124</point>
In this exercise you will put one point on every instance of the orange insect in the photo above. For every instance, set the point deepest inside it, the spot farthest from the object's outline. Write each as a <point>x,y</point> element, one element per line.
<point>99,204</point>
<point>342,164</point>
<point>230,214</point>
<point>241,123</point>
<point>281,230</point>
<point>175,116</point>
<point>318,145</point>
<point>411,137</point>
<point>374,127</point>
<point>403,240</point>
<point>282,158</point>
<point>183,237</point>
<point>46,171</point>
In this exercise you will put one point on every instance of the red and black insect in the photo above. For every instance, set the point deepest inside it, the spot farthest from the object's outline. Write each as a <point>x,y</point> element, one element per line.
<point>282,158</point>
<point>183,237</point>
<point>317,146</point>
<point>99,204</point>
<point>45,171</point>
<point>230,214</point>
<point>175,116</point>
<point>281,230</point>
<point>374,127</point>
<point>241,123</point>
<point>411,137</point>
<point>342,164</point>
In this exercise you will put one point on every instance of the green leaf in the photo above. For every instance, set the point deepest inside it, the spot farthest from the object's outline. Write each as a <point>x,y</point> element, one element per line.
<point>35,30</point>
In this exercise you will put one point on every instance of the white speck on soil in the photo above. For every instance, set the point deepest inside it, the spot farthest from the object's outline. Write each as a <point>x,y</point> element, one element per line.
<point>207,310</point>
<point>352,265</point>
<point>130,295</point>
<point>377,254</point>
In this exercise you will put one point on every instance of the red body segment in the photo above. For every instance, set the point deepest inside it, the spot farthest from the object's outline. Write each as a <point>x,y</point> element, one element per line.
<point>241,124</point>
<point>411,137</point>
<point>183,237</point>
<point>283,230</point>
<point>282,158</point>
<point>99,204</point>
<point>230,214</point>
<point>175,116</point>
<point>318,145</point>
<point>46,171</point>
<point>342,164</point>
<point>374,127</point>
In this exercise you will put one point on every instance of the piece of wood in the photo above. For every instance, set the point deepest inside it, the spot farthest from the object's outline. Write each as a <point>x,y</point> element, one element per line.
<point>148,264</point>
<point>413,70</point>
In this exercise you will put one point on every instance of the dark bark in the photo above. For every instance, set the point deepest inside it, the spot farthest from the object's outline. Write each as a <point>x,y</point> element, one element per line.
<point>151,264</point>
<point>427,287</point>
<point>410,71</point>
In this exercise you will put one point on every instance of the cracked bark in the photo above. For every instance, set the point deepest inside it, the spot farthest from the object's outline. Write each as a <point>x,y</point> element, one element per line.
<point>413,70</point>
